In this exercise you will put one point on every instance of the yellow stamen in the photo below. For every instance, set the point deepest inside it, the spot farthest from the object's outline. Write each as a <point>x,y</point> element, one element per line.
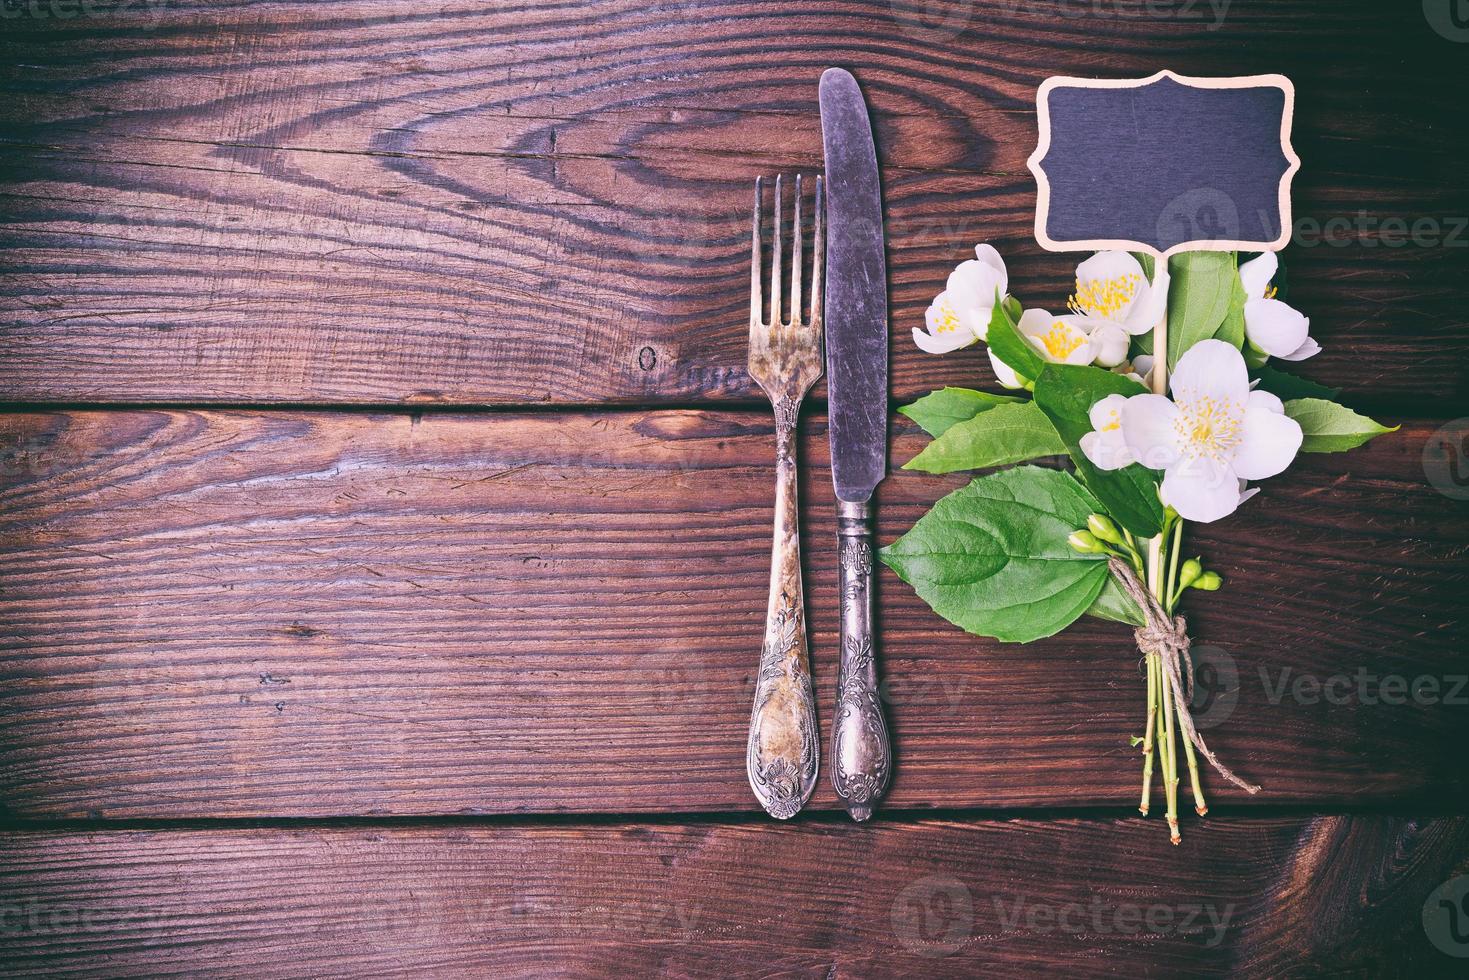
<point>1209,427</point>
<point>1105,298</point>
<point>948,320</point>
<point>1060,340</point>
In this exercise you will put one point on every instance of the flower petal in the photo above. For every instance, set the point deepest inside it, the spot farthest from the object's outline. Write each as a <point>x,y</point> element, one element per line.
<point>1108,450</point>
<point>1309,349</point>
<point>1274,327</point>
<point>1211,369</point>
<point>986,253</point>
<point>943,343</point>
<point>1109,344</point>
<point>974,285</point>
<point>1269,439</point>
<point>1255,275</point>
<point>1268,400</point>
<point>1109,286</point>
<point>1201,489</point>
<point>1060,340</point>
<point>1148,425</point>
<point>1147,310</point>
<point>1107,412</point>
<point>1004,374</point>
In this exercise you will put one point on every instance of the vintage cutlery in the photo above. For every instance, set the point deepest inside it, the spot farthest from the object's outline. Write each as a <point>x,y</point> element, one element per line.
<point>857,392</point>
<point>785,360</point>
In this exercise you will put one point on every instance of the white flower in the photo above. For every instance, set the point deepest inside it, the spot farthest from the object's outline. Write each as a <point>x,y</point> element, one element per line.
<point>1004,373</point>
<point>1111,289</point>
<point>1214,434</point>
<point>1106,446</point>
<point>1109,344</point>
<point>1271,325</point>
<point>1058,339</point>
<point>960,315</point>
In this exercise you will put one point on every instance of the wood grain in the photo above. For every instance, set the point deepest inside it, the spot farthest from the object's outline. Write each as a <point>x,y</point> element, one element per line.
<point>540,202</point>
<point>282,613</point>
<point>932,898</point>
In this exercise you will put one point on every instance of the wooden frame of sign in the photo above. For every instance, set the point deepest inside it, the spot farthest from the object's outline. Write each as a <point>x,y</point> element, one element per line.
<point>1164,164</point>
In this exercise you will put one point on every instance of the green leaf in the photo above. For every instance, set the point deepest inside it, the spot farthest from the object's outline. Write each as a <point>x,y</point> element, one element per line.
<point>1145,259</point>
<point>939,410</point>
<point>1332,428</point>
<point>1007,344</point>
<point>1005,434</point>
<point>992,557</point>
<point>1201,285</point>
<point>1232,330</point>
<point>1066,393</point>
<point>1287,386</point>
<point>1116,605</point>
<point>1141,344</point>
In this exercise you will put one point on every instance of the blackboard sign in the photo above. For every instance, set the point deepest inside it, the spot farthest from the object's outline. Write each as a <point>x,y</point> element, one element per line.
<point>1164,164</point>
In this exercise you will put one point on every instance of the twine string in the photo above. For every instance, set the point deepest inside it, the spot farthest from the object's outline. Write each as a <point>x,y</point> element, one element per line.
<point>1168,639</point>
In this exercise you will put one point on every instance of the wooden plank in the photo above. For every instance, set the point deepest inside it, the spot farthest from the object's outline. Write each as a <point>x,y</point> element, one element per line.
<point>254,613</point>
<point>935,898</point>
<point>538,202</point>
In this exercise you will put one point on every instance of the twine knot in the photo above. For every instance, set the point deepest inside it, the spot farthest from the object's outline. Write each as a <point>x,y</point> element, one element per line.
<point>1167,639</point>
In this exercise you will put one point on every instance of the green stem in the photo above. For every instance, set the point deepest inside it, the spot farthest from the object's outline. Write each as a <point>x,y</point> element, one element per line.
<point>1177,547</point>
<point>1152,720</point>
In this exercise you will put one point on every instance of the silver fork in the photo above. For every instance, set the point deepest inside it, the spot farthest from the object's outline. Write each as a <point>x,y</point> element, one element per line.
<point>785,360</point>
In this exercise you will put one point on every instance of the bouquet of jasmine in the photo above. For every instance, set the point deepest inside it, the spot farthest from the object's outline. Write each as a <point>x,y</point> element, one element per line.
<point>1022,553</point>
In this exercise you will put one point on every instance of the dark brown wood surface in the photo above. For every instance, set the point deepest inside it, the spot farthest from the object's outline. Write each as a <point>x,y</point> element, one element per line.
<point>546,202</point>
<point>311,664</point>
<point>449,613</point>
<point>930,898</point>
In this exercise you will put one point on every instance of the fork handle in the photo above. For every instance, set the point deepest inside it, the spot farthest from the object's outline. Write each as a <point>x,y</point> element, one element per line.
<point>783,750</point>
<point>861,754</point>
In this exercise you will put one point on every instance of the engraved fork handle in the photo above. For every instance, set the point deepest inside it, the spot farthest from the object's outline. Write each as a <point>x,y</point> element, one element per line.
<point>783,750</point>
<point>861,754</point>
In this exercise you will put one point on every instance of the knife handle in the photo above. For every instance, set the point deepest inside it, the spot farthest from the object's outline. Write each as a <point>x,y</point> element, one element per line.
<point>861,754</point>
<point>784,748</point>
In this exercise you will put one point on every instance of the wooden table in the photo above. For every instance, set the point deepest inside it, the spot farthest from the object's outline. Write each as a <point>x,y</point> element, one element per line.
<point>384,508</point>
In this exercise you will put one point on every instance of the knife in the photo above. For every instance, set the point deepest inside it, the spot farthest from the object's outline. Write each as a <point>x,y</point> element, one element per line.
<point>857,394</point>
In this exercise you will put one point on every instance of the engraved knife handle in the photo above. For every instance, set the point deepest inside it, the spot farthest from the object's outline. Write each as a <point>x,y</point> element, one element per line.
<point>861,754</point>
<point>784,747</point>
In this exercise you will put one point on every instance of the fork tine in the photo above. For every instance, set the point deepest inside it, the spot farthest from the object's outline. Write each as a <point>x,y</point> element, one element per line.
<point>775,317</point>
<point>796,270</point>
<point>818,255</point>
<point>755,260</point>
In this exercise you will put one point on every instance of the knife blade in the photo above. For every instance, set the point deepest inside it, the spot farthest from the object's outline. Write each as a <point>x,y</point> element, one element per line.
<point>856,292</point>
<point>857,409</point>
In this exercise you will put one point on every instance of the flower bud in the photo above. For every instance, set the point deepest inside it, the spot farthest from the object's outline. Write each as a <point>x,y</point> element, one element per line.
<point>1102,526</point>
<point>1189,573</point>
<point>1085,542</point>
<point>1209,582</point>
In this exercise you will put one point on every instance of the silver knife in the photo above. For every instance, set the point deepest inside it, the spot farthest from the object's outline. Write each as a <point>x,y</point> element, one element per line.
<point>857,392</point>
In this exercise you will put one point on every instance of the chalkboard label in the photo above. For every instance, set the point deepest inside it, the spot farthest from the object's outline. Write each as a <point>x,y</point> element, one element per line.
<point>1164,164</point>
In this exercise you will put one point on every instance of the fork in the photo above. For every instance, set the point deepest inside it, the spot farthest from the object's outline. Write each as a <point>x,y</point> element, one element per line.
<point>785,361</point>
